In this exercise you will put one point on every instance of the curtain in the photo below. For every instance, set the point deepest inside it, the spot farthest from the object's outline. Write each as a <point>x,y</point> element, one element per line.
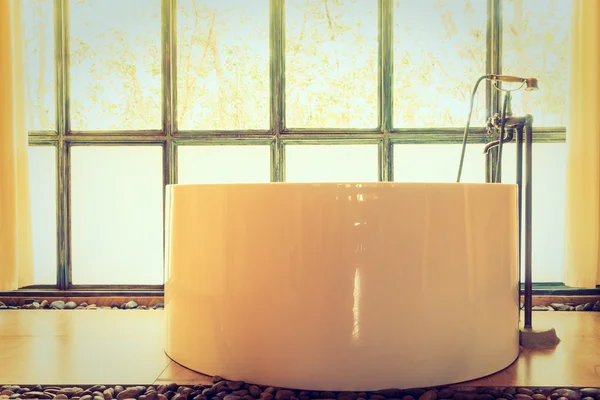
<point>16,253</point>
<point>582,210</point>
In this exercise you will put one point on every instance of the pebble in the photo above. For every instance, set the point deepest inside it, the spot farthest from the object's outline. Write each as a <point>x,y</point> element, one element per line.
<point>70,305</point>
<point>129,393</point>
<point>58,304</point>
<point>590,392</point>
<point>568,394</point>
<point>521,396</point>
<point>431,395</point>
<point>130,305</point>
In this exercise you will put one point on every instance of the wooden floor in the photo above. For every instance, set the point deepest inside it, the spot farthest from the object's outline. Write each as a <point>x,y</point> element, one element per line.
<point>126,347</point>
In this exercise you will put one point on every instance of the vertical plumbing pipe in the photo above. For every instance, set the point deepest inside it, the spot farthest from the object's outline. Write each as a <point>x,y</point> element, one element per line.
<point>519,181</point>
<point>528,182</point>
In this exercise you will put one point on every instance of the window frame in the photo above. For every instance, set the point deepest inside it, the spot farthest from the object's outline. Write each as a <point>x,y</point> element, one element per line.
<point>277,137</point>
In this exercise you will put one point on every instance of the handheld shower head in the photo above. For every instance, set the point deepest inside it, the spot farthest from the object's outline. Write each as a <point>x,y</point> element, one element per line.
<point>530,83</point>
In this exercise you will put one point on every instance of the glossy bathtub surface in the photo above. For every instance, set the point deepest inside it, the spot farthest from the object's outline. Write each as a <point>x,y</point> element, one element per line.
<point>329,286</point>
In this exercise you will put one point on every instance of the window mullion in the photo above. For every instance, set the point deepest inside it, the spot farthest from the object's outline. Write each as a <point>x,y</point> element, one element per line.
<point>61,64</point>
<point>277,71</point>
<point>386,76</point>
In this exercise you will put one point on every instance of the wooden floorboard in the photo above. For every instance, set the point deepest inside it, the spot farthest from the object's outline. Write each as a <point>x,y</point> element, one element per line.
<point>58,347</point>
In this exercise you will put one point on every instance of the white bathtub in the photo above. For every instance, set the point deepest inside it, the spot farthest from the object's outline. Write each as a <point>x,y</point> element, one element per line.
<point>339,286</point>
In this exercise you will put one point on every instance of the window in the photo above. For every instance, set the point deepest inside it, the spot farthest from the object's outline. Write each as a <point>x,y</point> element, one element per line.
<point>126,96</point>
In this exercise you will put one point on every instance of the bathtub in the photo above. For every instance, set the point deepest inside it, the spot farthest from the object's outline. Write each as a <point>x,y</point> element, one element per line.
<point>342,286</point>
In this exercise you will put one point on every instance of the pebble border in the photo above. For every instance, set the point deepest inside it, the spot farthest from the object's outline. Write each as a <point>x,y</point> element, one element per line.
<point>222,389</point>
<point>34,304</point>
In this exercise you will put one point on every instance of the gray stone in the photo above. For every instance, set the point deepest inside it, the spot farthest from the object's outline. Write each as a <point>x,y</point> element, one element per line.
<point>445,393</point>
<point>527,391</point>
<point>596,307</point>
<point>108,394</point>
<point>284,394</point>
<point>158,305</point>
<point>590,392</point>
<point>430,395</point>
<point>568,394</point>
<point>152,395</point>
<point>539,308</point>
<point>69,392</point>
<point>184,391</point>
<point>589,306</point>
<point>560,307</point>
<point>538,396</point>
<point>235,385</point>
<point>580,307</point>
<point>130,305</point>
<point>70,305</point>
<point>254,391</point>
<point>129,393</point>
<point>58,304</point>
<point>36,395</point>
<point>522,396</point>
<point>60,397</point>
<point>44,303</point>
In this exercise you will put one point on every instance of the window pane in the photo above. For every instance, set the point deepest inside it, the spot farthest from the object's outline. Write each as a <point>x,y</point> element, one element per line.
<point>548,203</point>
<point>117,215</point>
<point>115,64</point>
<point>438,163</point>
<point>536,44</point>
<point>42,184</point>
<point>224,164</point>
<point>331,64</point>
<point>331,163</point>
<point>38,56</point>
<point>439,52</point>
<point>223,64</point>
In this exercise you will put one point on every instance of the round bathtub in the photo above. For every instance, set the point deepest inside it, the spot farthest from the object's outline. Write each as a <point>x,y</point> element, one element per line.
<point>342,286</point>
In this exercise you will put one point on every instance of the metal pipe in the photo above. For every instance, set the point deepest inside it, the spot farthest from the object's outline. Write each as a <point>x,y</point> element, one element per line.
<point>528,133</point>
<point>466,133</point>
<point>506,102</point>
<point>519,181</point>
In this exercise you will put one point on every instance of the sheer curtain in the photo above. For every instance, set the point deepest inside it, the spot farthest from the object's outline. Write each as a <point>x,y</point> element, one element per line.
<point>16,254</point>
<point>582,214</point>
